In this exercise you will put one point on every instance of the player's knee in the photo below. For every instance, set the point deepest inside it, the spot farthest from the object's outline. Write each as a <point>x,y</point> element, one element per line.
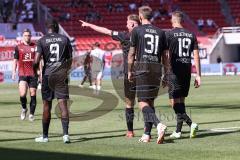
<point>65,114</point>
<point>129,103</point>
<point>33,93</point>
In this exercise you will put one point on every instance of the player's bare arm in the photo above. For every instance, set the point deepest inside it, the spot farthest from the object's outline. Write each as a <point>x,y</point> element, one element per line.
<point>15,63</point>
<point>36,62</point>
<point>131,56</point>
<point>167,67</point>
<point>40,70</point>
<point>96,28</point>
<point>197,81</point>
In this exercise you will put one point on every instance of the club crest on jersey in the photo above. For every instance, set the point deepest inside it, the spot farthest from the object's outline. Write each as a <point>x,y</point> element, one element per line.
<point>32,49</point>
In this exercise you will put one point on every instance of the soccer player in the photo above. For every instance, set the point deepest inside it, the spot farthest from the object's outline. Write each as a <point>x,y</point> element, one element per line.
<point>87,69</point>
<point>56,51</point>
<point>148,46</point>
<point>23,59</point>
<point>181,44</point>
<point>98,63</point>
<point>124,38</point>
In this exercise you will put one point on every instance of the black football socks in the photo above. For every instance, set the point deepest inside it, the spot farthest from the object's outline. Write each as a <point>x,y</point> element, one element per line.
<point>129,114</point>
<point>45,125</point>
<point>181,114</point>
<point>150,118</point>
<point>23,101</point>
<point>65,125</point>
<point>33,104</point>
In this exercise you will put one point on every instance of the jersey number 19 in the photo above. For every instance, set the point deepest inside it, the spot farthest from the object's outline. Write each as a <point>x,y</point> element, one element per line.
<point>184,44</point>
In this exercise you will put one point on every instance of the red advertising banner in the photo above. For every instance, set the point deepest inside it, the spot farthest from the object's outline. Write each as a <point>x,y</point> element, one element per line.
<point>6,53</point>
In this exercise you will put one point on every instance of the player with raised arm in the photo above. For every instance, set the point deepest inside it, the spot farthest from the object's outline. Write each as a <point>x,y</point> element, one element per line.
<point>181,44</point>
<point>124,38</point>
<point>56,51</point>
<point>23,60</point>
<point>147,51</point>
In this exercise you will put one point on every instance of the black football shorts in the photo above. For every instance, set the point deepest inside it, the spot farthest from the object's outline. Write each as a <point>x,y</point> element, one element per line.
<point>54,86</point>
<point>147,86</point>
<point>32,81</point>
<point>178,85</point>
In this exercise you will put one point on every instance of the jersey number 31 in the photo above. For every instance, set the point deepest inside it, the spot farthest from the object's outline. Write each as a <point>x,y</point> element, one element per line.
<point>152,42</point>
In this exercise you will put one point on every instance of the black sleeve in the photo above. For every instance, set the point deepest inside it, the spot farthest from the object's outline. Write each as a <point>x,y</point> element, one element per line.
<point>195,43</point>
<point>167,36</point>
<point>39,48</point>
<point>164,42</point>
<point>118,36</point>
<point>70,50</point>
<point>134,38</point>
<point>16,53</point>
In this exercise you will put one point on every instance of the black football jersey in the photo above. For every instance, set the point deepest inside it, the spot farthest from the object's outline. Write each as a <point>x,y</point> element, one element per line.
<point>150,42</point>
<point>55,49</point>
<point>124,39</point>
<point>181,44</point>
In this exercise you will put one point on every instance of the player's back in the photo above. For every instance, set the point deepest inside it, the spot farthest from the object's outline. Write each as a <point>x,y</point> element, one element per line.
<point>181,44</point>
<point>150,42</point>
<point>56,49</point>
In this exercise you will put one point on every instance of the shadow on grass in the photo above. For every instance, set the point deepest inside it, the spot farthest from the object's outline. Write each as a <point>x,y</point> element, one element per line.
<point>206,133</point>
<point>215,106</point>
<point>22,154</point>
<point>202,133</point>
<point>95,138</point>
<point>18,117</point>
<point>207,106</point>
<point>9,103</point>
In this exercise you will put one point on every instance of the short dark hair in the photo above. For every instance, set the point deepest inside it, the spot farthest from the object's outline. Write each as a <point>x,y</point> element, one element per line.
<point>27,30</point>
<point>146,11</point>
<point>53,25</point>
<point>179,16</point>
<point>97,44</point>
<point>134,17</point>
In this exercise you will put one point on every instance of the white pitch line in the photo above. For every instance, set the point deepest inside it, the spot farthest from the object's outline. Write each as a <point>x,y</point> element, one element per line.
<point>229,129</point>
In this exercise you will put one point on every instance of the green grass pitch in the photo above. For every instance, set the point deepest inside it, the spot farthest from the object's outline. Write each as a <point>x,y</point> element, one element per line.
<point>214,106</point>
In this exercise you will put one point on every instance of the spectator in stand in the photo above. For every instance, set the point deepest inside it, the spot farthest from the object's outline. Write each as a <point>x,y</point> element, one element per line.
<point>237,21</point>
<point>6,7</point>
<point>119,7</point>
<point>64,16</point>
<point>23,16</point>
<point>211,23</point>
<point>109,7</point>
<point>90,4</point>
<point>163,11</point>
<point>92,16</point>
<point>156,14</point>
<point>81,3</point>
<point>132,6</point>
<point>200,24</point>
